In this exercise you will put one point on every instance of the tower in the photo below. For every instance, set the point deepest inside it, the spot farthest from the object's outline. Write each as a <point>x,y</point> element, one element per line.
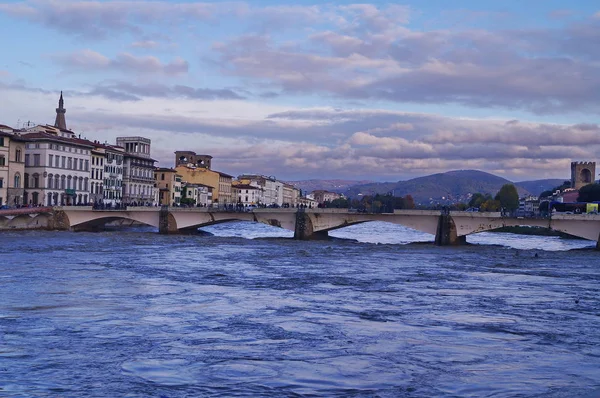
<point>60,121</point>
<point>582,174</point>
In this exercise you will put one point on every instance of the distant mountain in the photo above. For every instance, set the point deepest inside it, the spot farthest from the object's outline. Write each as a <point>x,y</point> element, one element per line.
<point>536,187</point>
<point>449,187</point>
<point>338,186</point>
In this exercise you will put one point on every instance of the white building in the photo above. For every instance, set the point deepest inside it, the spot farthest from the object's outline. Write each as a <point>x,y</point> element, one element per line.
<point>272,189</point>
<point>113,175</point>
<point>57,167</point>
<point>96,175</point>
<point>247,194</point>
<point>138,171</point>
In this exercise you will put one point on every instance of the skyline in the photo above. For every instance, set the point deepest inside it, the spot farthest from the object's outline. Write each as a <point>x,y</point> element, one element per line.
<point>337,90</point>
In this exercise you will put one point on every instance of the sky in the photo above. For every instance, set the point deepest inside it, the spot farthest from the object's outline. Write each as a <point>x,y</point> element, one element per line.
<point>317,90</point>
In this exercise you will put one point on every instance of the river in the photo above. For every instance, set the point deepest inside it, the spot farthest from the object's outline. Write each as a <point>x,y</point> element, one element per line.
<point>248,312</point>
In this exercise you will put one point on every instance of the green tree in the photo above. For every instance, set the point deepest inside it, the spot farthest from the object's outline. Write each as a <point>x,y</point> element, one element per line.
<point>589,193</point>
<point>478,198</point>
<point>490,205</point>
<point>508,197</point>
<point>566,184</point>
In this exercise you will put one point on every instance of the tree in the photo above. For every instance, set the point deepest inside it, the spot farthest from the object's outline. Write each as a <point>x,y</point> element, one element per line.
<point>508,197</point>
<point>566,184</point>
<point>589,193</point>
<point>478,198</point>
<point>490,205</point>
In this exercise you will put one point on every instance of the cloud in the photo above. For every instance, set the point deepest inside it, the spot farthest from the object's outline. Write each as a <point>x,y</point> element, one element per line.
<point>144,44</point>
<point>98,19</point>
<point>125,91</point>
<point>247,136</point>
<point>86,60</point>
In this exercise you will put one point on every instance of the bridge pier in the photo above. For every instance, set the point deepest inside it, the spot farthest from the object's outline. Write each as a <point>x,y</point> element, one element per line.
<point>304,229</point>
<point>166,222</point>
<point>446,232</point>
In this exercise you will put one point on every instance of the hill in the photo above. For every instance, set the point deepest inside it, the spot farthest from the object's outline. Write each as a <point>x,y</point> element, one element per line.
<point>538,186</point>
<point>450,187</point>
<point>338,186</point>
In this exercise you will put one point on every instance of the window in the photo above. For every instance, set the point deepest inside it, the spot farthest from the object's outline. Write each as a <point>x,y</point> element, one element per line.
<point>18,155</point>
<point>1,141</point>
<point>80,164</point>
<point>1,182</point>
<point>70,162</point>
<point>27,160</point>
<point>63,161</point>
<point>50,160</point>
<point>17,180</point>
<point>36,181</point>
<point>2,161</point>
<point>36,159</point>
<point>87,165</point>
<point>57,161</point>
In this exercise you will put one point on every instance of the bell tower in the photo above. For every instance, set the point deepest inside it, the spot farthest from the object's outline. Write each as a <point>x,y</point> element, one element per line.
<point>60,121</point>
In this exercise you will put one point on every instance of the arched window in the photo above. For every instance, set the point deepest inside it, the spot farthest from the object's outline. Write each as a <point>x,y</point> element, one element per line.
<point>50,183</point>
<point>56,184</point>
<point>69,179</point>
<point>17,180</point>
<point>85,185</point>
<point>18,155</point>
<point>63,182</point>
<point>80,183</point>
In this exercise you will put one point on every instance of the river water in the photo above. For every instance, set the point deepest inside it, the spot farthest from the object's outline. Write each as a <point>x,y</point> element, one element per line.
<point>248,312</point>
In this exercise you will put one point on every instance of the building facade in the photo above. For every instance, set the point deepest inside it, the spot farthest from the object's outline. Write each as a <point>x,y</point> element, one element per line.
<point>246,194</point>
<point>168,183</point>
<point>113,176</point>
<point>582,174</point>
<point>97,174</point>
<point>138,171</point>
<point>272,188</point>
<point>57,167</point>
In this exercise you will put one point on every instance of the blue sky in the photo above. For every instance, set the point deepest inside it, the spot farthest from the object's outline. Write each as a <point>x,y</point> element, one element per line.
<point>377,90</point>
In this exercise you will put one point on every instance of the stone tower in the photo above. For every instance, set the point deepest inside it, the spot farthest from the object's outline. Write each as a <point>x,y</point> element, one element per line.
<point>60,121</point>
<point>582,174</point>
<point>189,157</point>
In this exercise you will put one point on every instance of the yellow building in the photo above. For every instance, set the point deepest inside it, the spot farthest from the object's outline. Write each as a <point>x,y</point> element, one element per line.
<point>220,182</point>
<point>168,183</point>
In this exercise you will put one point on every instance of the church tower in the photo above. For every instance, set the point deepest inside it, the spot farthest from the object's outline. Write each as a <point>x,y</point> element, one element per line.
<point>60,121</point>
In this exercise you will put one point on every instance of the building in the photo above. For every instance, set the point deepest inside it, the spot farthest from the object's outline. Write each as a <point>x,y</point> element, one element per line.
<point>113,175</point>
<point>138,171</point>
<point>57,167</point>
<point>97,175</point>
<point>189,157</point>
<point>168,183</point>
<point>12,167</point>
<point>246,194</point>
<point>225,193</point>
<point>290,195</point>
<point>271,188</point>
<point>199,195</point>
<point>582,174</point>
<point>529,206</point>
<point>321,196</point>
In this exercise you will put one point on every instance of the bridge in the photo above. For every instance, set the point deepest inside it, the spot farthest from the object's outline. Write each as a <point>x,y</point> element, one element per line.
<point>449,228</point>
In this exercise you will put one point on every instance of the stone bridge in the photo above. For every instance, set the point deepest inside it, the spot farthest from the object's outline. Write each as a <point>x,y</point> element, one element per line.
<point>449,229</point>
